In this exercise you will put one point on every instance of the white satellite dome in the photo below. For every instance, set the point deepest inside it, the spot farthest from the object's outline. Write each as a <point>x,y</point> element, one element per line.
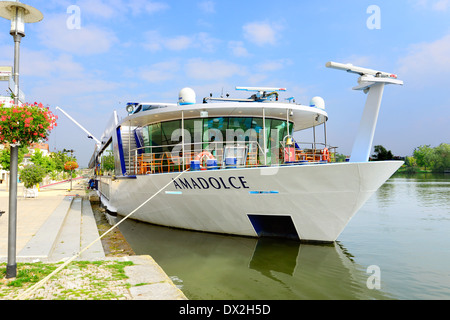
<point>186,96</point>
<point>317,102</point>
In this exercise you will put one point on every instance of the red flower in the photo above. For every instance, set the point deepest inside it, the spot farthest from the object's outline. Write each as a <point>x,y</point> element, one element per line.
<point>26,124</point>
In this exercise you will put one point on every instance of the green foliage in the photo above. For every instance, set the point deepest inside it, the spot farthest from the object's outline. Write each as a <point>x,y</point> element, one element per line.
<point>435,159</point>
<point>32,175</point>
<point>59,159</point>
<point>443,157</point>
<point>5,156</point>
<point>107,162</point>
<point>45,162</point>
<point>340,157</point>
<point>29,273</point>
<point>382,154</point>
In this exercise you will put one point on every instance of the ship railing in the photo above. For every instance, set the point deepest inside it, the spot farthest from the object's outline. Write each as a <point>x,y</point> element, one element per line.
<point>241,154</point>
<point>310,152</point>
<point>176,157</point>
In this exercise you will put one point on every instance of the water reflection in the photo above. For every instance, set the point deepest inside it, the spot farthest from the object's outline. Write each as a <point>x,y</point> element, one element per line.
<point>209,266</point>
<point>404,230</point>
<point>428,189</point>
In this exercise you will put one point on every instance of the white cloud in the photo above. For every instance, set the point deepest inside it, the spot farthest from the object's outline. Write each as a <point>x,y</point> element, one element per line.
<point>89,39</point>
<point>97,8</point>
<point>205,42</point>
<point>178,43</point>
<point>238,49</point>
<point>207,6</point>
<point>154,41</point>
<point>46,65</point>
<point>213,70</point>
<point>436,5</point>
<point>427,61</point>
<point>441,5</point>
<point>144,6</point>
<point>108,9</point>
<point>160,72</point>
<point>262,33</point>
<point>273,65</point>
<point>357,60</point>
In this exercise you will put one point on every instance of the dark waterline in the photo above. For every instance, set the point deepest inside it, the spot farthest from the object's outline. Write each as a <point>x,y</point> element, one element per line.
<point>402,232</point>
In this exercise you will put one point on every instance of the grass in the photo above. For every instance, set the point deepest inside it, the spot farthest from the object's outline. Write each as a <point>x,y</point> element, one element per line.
<point>27,274</point>
<point>81,280</point>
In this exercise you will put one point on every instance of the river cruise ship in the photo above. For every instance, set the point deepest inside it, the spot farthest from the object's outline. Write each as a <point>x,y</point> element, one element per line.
<point>232,166</point>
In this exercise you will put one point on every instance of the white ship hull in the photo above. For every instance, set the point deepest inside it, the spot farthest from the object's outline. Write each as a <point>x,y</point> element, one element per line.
<point>306,202</point>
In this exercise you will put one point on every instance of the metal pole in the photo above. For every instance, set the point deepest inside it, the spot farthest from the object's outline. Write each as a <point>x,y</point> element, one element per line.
<point>129,149</point>
<point>11,268</point>
<point>182,140</point>
<point>17,39</point>
<point>264,137</point>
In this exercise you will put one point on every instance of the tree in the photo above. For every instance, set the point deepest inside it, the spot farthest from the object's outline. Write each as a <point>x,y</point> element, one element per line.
<point>424,156</point>
<point>435,159</point>
<point>45,162</point>
<point>442,157</point>
<point>382,154</point>
<point>32,175</point>
<point>60,158</point>
<point>5,157</point>
<point>108,162</point>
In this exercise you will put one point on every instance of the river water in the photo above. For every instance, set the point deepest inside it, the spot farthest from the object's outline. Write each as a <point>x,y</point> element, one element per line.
<point>396,247</point>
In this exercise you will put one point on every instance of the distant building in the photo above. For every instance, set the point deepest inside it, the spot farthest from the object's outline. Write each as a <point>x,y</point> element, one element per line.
<point>43,147</point>
<point>8,102</point>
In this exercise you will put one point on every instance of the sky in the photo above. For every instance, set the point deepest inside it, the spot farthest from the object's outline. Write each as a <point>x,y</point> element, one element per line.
<point>91,57</point>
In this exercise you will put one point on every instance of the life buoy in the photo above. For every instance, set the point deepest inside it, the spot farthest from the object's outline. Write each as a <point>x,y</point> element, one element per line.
<point>326,155</point>
<point>202,155</point>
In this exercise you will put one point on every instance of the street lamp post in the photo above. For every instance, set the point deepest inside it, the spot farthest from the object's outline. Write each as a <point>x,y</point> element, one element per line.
<point>19,14</point>
<point>71,157</point>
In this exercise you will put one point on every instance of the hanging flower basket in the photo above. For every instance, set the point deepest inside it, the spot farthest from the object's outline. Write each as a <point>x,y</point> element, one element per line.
<point>26,124</point>
<point>70,165</point>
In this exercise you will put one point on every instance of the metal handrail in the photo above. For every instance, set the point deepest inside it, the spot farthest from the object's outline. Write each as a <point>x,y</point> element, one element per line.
<point>167,161</point>
<point>191,153</point>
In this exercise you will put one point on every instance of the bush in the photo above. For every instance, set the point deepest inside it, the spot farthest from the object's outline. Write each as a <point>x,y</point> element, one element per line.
<point>32,175</point>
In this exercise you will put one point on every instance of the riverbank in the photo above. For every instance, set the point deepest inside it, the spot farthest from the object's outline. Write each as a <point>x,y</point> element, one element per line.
<point>111,272</point>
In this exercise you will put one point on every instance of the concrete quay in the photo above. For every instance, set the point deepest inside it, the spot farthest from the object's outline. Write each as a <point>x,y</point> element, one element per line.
<point>59,224</point>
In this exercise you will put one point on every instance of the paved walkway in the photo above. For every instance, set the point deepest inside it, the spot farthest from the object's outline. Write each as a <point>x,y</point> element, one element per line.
<point>59,223</point>
<point>31,212</point>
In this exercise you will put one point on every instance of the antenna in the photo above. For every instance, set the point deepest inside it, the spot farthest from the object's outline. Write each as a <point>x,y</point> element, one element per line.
<point>371,82</point>
<point>257,89</point>
<point>358,70</point>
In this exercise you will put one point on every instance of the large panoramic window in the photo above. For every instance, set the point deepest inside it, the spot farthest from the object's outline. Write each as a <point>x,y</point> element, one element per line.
<point>158,137</point>
<point>106,159</point>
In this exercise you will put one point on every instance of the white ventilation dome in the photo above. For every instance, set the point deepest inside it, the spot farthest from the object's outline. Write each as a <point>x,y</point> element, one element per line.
<point>186,96</point>
<point>317,102</point>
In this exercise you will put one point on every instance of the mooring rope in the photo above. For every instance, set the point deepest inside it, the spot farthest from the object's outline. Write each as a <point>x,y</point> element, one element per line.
<point>24,295</point>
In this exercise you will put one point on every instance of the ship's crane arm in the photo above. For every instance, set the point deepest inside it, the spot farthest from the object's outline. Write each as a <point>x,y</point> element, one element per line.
<point>90,135</point>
